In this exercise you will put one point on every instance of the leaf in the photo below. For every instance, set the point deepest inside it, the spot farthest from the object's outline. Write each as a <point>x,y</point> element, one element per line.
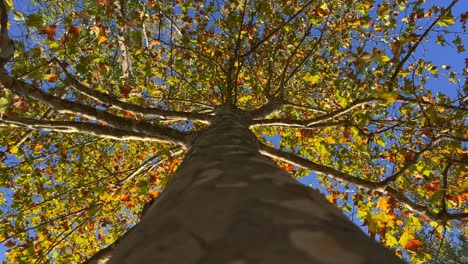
<point>51,77</point>
<point>153,194</point>
<point>413,245</point>
<point>446,21</point>
<point>5,102</point>
<point>312,79</point>
<point>389,97</point>
<point>34,20</point>
<point>49,31</point>
<point>383,9</point>
<point>405,238</point>
<point>102,39</point>
<point>383,204</point>
<point>13,149</point>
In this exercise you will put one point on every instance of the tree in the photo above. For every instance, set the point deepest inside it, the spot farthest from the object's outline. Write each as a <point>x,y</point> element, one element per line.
<point>105,100</point>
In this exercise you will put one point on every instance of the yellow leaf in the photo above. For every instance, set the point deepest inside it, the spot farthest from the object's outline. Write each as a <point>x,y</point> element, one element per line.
<point>383,204</point>
<point>13,150</point>
<point>312,79</point>
<point>101,39</point>
<point>446,21</point>
<point>390,97</point>
<point>405,237</point>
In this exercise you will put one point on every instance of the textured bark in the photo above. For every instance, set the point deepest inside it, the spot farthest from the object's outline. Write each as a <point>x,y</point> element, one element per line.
<point>227,203</point>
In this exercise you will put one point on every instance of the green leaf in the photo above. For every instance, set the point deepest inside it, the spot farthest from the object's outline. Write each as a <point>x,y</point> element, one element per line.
<point>5,102</point>
<point>34,20</point>
<point>312,79</point>
<point>389,97</point>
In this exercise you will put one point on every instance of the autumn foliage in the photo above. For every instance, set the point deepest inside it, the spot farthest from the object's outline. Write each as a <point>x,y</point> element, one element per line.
<point>101,97</point>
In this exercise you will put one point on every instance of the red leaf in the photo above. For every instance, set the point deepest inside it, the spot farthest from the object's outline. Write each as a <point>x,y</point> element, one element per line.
<point>346,134</point>
<point>10,243</point>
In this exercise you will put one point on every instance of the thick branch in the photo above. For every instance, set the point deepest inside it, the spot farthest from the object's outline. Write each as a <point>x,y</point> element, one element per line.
<point>63,106</point>
<point>284,123</point>
<point>307,164</point>
<point>382,186</point>
<point>78,127</point>
<point>274,104</point>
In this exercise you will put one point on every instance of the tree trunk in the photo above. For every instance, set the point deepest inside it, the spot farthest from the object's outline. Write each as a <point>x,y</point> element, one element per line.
<point>227,203</point>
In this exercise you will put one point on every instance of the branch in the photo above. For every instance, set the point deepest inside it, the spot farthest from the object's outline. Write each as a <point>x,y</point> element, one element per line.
<point>274,31</point>
<point>125,61</point>
<point>285,123</point>
<point>413,48</point>
<point>148,166</point>
<point>231,77</point>
<point>148,112</point>
<point>424,210</point>
<point>401,98</point>
<point>452,137</point>
<point>198,53</point>
<point>78,127</point>
<point>63,106</point>
<point>310,53</point>
<point>382,186</point>
<point>273,105</point>
<point>303,107</point>
<point>314,121</point>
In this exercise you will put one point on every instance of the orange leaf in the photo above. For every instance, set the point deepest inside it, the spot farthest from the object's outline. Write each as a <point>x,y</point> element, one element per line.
<point>383,204</point>
<point>103,2</point>
<point>127,114</point>
<point>287,167</point>
<point>101,236</point>
<point>49,31</point>
<point>413,245</point>
<point>52,77</point>
<point>153,193</point>
<point>125,198</point>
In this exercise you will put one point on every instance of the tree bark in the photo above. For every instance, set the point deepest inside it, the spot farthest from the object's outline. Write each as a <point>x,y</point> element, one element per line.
<point>227,203</point>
